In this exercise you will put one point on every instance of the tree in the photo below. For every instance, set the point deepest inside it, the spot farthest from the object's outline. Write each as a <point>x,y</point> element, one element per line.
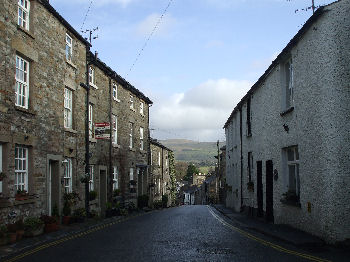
<point>180,170</point>
<point>191,169</point>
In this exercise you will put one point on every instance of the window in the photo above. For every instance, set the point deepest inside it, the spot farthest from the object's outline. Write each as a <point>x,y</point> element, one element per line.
<point>91,125</point>
<point>22,82</point>
<point>250,166</point>
<point>141,108</point>
<point>21,168</point>
<point>132,102</point>
<point>166,162</point>
<point>158,183</point>
<point>249,117</point>
<point>114,129</point>
<point>131,173</point>
<point>69,48</point>
<point>158,158</point>
<point>91,76</point>
<point>68,94</point>
<point>115,178</point>
<point>0,167</point>
<point>115,92</point>
<point>131,128</point>
<point>288,69</point>
<point>23,13</point>
<point>67,176</point>
<point>151,155</point>
<point>91,178</point>
<point>141,138</point>
<point>293,170</point>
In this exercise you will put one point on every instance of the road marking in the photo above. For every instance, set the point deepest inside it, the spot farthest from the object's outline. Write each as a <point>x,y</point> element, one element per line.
<point>74,236</point>
<point>264,242</point>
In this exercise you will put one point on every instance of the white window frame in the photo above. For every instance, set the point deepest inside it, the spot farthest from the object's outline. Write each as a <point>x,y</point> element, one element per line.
<point>0,167</point>
<point>132,102</point>
<point>91,76</point>
<point>131,131</point>
<point>22,82</point>
<point>141,139</point>
<point>21,168</point>
<point>141,107</point>
<point>68,108</point>
<point>91,178</point>
<point>67,177</point>
<point>289,87</point>
<point>69,47</point>
<point>131,173</point>
<point>23,13</point>
<point>115,129</point>
<point>166,162</point>
<point>294,162</point>
<point>115,92</point>
<point>159,158</point>
<point>91,119</point>
<point>115,178</point>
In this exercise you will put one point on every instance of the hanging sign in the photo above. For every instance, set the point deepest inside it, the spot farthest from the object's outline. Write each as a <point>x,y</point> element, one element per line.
<point>102,130</point>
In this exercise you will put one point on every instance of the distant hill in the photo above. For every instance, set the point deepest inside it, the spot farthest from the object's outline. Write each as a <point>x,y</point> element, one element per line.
<point>201,153</point>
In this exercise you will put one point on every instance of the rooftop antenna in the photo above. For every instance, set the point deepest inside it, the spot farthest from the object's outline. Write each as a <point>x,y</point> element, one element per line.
<point>313,7</point>
<point>91,31</point>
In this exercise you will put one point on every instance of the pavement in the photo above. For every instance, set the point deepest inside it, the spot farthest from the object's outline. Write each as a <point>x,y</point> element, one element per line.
<point>283,233</point>
<point>64,231</point>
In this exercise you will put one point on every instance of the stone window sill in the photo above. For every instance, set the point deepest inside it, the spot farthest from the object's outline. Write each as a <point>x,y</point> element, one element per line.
<point>143,115</point>
<point>92,140</point>
<point>116,100</point>
<point>93,202</point>
<point>30,34</point>
<point>71,64</point>
<point>23,202</point>
<point>132,109</point>
<point>70,130</point>
<point>25,110</point>
<point>287,111</point>
<point>93,85</point>
<point>132,149</point>
<point>115,145</point>
<point>290,203</point>
<point>143,151</point>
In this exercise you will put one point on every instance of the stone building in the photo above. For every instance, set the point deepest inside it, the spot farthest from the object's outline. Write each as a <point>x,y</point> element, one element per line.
<point>43,111</point>
<point>160,180</point>
<point>198,179</point>
<point>287,140</point>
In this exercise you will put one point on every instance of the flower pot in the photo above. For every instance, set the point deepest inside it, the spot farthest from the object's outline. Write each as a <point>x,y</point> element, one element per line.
<point>12,237</point>
<point>66,220</point>
<point>51,227</point>
<point>19,234</point>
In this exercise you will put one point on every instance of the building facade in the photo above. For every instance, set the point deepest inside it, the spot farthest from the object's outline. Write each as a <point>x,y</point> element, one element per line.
<point>287,141</point>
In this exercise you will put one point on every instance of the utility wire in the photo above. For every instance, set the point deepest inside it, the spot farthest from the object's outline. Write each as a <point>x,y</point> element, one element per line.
<point>150,35</point>
<point>86,15</point>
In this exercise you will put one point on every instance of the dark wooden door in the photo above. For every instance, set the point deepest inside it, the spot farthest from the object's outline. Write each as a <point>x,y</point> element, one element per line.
<point>269,191</point>
<point>259,191</point>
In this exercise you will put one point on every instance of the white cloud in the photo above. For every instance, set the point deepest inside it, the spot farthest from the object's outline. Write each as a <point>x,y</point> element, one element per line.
<point>146,26</point>
<point>199,113</point>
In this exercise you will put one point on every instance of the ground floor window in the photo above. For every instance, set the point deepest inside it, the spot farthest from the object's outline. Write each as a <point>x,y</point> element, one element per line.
<point>115,178</point>
<point>91,178</point>
<point>68,170</point>
<point>292,170</point>
<point>21,168</point>
<point>0,168</point>
<point>131,173</point>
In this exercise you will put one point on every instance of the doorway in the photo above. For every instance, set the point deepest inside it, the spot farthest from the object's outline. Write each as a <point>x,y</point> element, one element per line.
<point>269,191</point>
<point>53,189</point>
<point>259,190</point>
<point>103,191</point>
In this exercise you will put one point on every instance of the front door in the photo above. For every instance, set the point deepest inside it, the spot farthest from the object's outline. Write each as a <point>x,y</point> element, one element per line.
<point>269,191</point>
<point>103,191</point>
<point>53,187</point>
<point>259,191</point>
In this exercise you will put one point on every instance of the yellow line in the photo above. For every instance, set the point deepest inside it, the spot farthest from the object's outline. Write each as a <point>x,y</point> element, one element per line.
<point>59,241</point>
<point>266,243</point>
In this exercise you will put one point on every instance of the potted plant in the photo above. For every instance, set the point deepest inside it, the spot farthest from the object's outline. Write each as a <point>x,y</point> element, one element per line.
<point>12,235</point>
<point>2,176</point>
<point>19,229</point>
<point>21,195</point>
<point>33,226</point>
<point>66,213</point>
<point>92,195</point>
<point>3,235</point>
<point>50,222</point>
<point>250,186</point>
<point>79,215</point>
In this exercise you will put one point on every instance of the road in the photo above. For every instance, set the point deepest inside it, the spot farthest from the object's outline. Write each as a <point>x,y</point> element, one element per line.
<point>186,233</point>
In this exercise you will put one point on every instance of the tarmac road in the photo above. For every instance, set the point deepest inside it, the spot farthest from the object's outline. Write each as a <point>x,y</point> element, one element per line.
<point>186,233</point>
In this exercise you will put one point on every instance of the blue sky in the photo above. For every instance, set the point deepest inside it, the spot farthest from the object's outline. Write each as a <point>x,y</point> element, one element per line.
<point>201,60</point>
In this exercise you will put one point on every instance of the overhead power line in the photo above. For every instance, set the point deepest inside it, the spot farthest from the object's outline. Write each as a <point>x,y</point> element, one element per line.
<point>150,35</point>
<point>87,12</point>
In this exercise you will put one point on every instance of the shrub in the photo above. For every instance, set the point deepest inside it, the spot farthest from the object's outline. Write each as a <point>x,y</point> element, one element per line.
<point>80,212</point>
<point>92,195</point>
<point>165,199</point>
<point>66,209</point>
<point>55,212</point>
<point>109,205</point>
<point>123,211</point>
<point>116,192</point>
<point>142,201</point>
<point>158,204</point>
<point>32,223</point>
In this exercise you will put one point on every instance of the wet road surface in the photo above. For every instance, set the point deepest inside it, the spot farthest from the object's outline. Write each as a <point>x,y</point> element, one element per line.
<point>186,233</point>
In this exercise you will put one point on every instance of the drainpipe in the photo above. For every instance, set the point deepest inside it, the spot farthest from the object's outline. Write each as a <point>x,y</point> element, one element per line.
<point>110,180</point>
<point>240,137</point>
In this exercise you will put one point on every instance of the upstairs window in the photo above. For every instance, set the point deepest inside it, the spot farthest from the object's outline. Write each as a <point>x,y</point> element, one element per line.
<point>91,178</point>
<point>67,178</point>
<point>91,123</point>
<point>249,117</point>
<point>114,129</point>
<point>132,102</point>
<point>23,13</point>
<point>141,107</point>
<point>21,168</point>
<point>141,138</point>
<point>69,48</point>
<point>250,166</point>
<point>0,168</point>
<point>68,95</point>
<point>115,92</point>
<point>158,158</point>
<point>22,82</point>
<point>131,132</point>
<point>288,70</point>
<point>91,76</point>
<point>115,178</point>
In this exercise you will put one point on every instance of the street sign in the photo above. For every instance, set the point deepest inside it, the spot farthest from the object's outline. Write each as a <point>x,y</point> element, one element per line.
<point>102,130</point>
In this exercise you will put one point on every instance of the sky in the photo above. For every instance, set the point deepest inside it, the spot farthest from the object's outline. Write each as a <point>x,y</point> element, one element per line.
<point>200,60</point>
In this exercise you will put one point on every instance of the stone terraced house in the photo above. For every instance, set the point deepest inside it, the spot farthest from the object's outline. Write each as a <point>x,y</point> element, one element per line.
<point>43,111</point>
<point>160,181</point>
<point>288,141</point>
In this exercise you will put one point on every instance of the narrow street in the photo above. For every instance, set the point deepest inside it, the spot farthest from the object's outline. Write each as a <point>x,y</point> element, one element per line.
<point>186,233</point>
